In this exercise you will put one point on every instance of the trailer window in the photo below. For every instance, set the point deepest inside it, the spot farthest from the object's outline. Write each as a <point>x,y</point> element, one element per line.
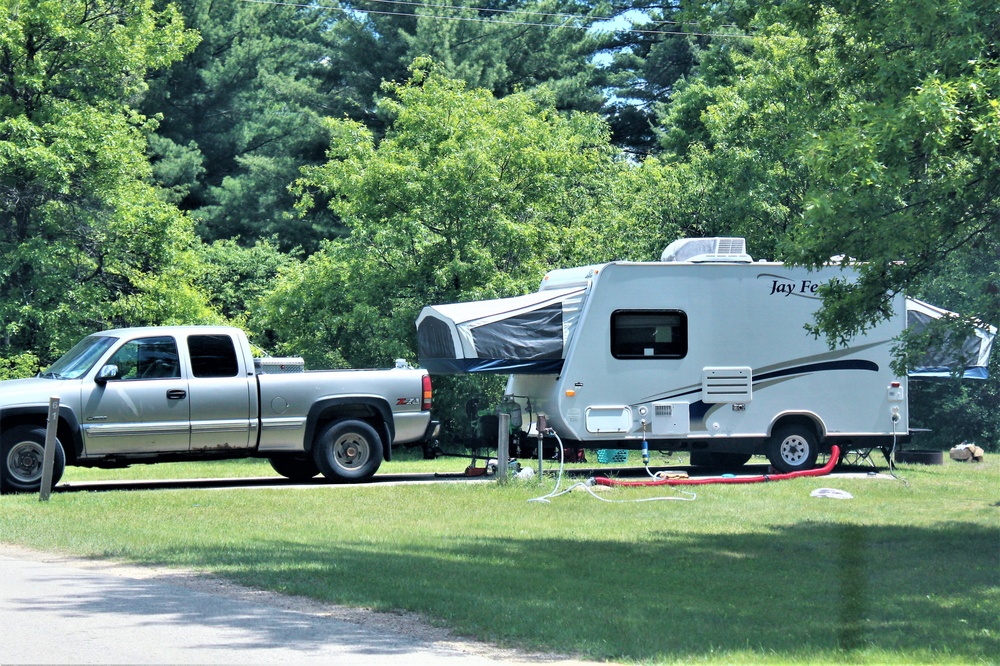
<point>649,334</point>
<point>213,356</point>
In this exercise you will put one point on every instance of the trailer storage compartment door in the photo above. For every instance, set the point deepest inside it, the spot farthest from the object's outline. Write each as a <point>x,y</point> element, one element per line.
<point>525,334</point>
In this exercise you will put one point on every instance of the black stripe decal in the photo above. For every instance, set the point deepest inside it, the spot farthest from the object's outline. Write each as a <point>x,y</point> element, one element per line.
<point>818,367</point>
<point>788,372</point>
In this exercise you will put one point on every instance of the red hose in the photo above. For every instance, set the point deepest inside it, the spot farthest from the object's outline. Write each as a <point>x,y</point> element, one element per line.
<point>819,471</point>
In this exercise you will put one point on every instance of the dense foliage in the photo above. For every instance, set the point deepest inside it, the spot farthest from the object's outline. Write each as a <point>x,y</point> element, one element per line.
<point>86,242</point>
<point>318,172</point>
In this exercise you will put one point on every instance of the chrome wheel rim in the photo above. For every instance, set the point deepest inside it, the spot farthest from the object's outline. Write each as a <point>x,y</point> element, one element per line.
<point>351,451</point>
<point>24,461</point>
<point>794,450</point>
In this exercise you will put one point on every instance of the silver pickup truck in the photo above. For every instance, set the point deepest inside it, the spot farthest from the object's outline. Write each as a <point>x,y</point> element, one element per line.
<point>142,395</point>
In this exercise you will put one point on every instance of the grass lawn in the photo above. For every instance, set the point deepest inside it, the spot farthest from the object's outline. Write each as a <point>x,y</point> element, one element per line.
<point>901,573</point>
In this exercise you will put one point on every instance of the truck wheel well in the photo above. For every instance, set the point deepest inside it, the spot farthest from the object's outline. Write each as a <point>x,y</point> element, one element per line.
<point>360,412</point>
<point>65,432</point>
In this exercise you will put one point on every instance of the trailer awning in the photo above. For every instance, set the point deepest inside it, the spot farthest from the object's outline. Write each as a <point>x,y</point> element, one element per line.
<point>525,334</point>
<point>941,363</point>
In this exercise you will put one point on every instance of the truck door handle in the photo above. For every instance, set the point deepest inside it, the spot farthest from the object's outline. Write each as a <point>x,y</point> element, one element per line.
<point>176,394</point>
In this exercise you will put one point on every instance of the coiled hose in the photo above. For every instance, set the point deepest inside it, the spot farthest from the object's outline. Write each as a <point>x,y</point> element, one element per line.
<point>819,471</point>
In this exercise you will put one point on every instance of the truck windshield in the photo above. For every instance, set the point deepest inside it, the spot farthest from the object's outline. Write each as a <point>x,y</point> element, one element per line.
<point>80,359</point>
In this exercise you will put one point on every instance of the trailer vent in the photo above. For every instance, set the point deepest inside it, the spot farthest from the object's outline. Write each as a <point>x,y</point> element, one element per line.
<point>726,385</point>
<point>670,418</point>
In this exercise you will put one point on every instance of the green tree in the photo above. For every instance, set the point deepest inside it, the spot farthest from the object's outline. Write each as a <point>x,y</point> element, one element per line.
<point>86,241</point>
<point>869,132</point>
<point>505,47</point>
<point>236,278</point>
<point>465,197</point>
<point>865,132</point>
<point>240,115</point>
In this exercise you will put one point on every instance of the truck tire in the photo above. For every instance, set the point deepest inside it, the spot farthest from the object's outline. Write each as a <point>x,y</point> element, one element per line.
<point>348,451</point>
<point>21,451</point>
<point>296,468</point>
<point>792,448</point>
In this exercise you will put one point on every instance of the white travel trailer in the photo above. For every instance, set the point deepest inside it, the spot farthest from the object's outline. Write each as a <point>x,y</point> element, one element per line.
<point>704,350</point>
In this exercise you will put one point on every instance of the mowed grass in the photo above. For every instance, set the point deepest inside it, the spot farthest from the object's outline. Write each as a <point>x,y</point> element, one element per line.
<point>902,573</point>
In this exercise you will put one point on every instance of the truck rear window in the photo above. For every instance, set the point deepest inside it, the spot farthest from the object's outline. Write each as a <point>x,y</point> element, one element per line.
<point>213,356</point>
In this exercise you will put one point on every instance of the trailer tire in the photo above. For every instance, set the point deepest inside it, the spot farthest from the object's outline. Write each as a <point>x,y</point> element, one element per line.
<point>792,448</point>
<point>296,468</point>
<point>21,455</point>
<point>348,450</point>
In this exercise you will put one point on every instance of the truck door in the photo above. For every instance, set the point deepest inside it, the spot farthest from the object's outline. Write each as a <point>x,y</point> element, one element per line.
<point>145,408</point>
<point>223,394</point>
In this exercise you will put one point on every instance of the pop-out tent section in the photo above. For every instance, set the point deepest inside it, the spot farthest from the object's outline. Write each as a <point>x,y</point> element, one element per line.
<point>940,363</point>
<point>520,335</point>
<point>529,335</point>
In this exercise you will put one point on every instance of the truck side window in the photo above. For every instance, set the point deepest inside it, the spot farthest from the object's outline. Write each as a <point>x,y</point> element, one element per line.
<point>213,356</point>
<point>649,334</point>
<point>147,358</point>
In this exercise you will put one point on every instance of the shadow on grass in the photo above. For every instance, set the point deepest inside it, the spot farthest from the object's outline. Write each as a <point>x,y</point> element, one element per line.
<point>813,589</point>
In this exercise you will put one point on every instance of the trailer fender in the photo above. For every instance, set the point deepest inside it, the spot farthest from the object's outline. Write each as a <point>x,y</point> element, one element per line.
<point>810,419</point>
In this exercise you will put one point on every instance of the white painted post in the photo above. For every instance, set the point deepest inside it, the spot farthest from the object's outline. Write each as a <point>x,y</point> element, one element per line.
<point>541,426</point>
<point>49,455</point>
<point>503,447</point>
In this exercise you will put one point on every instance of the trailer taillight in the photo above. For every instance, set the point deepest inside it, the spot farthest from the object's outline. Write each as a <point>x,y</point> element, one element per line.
<point>425,403</point>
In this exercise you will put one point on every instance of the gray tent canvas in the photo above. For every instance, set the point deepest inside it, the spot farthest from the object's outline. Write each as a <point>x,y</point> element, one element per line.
<point>524,334</point>
<point>941,363</point>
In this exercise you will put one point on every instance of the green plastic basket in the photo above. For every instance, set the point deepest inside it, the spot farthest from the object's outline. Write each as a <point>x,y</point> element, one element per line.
<point>616,456</point>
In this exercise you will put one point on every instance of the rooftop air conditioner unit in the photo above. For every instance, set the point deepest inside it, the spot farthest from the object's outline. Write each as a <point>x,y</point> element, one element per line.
<point>701,250</point>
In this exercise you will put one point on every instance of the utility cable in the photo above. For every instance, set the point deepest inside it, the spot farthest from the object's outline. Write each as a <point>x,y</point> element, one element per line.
<point>471,19</point>
<point>546,499</point>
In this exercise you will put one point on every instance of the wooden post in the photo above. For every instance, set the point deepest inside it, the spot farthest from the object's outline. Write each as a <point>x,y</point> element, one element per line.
<point>49,455</point>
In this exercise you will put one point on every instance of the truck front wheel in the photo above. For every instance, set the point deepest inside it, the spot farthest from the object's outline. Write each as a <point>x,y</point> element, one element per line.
<point>22,448</point>
<point>348,451</point>
<point>792,448</point>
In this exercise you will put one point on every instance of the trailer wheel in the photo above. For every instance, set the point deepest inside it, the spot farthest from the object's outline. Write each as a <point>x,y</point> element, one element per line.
<point>296,468</point>
<point>21,455</point>
<point>792,448</point>
<point>348,451</point>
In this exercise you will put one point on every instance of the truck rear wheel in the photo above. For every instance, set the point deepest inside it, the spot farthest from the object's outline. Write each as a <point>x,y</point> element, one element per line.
<point>348,451</point>
<point>22,449</point>
<point>296,468</point>
<point>792,448</point>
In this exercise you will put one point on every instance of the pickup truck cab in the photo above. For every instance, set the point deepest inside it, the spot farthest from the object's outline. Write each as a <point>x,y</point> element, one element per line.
<point>142,395</point>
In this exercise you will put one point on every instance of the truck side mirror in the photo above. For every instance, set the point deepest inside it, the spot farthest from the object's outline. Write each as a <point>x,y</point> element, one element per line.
<point>106,374</point>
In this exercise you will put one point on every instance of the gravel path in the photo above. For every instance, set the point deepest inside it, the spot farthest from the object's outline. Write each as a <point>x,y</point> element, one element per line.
<point>61,609</point>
